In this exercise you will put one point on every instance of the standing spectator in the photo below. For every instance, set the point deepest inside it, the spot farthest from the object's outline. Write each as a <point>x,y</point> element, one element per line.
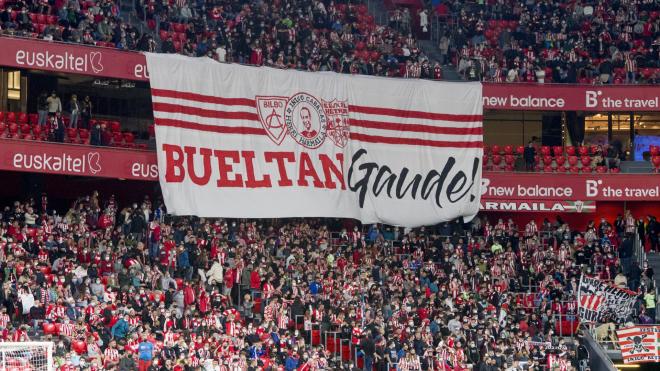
<point>57,127</point>
<point>42,108</point>
<point>74,111</point>
<point>86,112</point>
<point>530,156</point>
<point>54,104</point>
<point>145,355</point>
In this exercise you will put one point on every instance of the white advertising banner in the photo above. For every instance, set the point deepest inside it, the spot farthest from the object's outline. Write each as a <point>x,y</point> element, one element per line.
<point>257,142</point>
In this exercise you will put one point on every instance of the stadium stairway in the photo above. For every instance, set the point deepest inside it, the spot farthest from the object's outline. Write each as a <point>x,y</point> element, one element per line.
<point>433,53</point>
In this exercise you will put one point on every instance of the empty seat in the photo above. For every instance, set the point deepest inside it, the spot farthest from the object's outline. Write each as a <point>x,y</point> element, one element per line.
<point>508,150</point>
<point>558,150</point>
<point>545,150</point>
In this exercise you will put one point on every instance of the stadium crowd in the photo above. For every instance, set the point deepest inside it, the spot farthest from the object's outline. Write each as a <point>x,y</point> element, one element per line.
<point>132,287</point>
<point>583,41</point>
<point>586,41</point>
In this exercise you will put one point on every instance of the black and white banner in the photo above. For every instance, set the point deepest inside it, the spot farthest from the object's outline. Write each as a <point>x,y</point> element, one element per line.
<point>600,302</point>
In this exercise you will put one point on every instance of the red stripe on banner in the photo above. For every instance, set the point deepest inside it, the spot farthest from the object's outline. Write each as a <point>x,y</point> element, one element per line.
<point>209,128</point>
<point>415,114</point>
<point>630,342</point>
<point>413,141</point>
<point>636,333</point>
<point>214,114</point>
<point>416,128</point>
<point>203,98</point>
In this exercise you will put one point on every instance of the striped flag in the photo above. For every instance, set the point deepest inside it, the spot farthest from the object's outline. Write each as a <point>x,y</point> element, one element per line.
<point>639,344</point>
<point>271,143</point>
<point>600,302</point>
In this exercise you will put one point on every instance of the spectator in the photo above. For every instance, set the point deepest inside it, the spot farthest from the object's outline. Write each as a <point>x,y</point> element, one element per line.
<point>530,156</point>
<point>42,108</point>
<point>74,111</point>
<point>54,104</point>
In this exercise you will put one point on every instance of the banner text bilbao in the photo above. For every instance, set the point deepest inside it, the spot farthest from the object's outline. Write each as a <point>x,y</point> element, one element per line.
<point>236,169</point>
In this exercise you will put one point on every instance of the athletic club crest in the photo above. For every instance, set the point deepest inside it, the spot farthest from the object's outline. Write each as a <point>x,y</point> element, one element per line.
<point>338,127</point>
<point>306,119</point>
<point>271,115</point>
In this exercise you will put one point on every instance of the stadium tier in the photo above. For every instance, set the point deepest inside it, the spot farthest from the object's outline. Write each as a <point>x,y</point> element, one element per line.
<point>389,185</point>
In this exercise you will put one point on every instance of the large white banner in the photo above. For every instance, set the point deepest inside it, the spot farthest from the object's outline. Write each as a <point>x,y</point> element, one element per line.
<point>256,142</point>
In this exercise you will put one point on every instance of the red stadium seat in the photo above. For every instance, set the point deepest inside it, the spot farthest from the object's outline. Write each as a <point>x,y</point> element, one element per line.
<point>574,169</point>
<point>72,135</point>
<point>22,118</point>
<point>585,161</point>
<point>10,117</point>
<point>520,150</point>
<point>583,151</point>
<point>33,118</point>
<point>115,126</point>
<point>548,169</point>
<point>561,169</point>
<point>26,131</point>
<point>654,150</point>
<point>84,136</point>
<point>129,139</point>
<point>13,130</point>
<point>573,160</point>
<point>547,160</point>
<point>495,149</point>
<point>37,132</point>
<point>117,139</point>
<point>558,150</point>
<point>3,128</point>
<point>601,169</point>
<point>2,116</point>
<point>497,160</point>
<point>509,159</point>
<point>570,151</point>
<point>485,159</point>
<point>560,161</point>
<point>163,35</point>
<point>545,150</point>
<point>615,170</point>
<point>508,149</point>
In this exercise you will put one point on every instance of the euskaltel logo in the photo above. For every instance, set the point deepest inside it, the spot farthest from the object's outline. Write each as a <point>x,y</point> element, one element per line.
<point>63,61</point>
<point>93,162</point>
<point>82,164</point>
<point>95,62</point>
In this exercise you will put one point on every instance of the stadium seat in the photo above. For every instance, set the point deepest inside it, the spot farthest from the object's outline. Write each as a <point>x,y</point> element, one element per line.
<point>548,169</point>
<point>71,135</point>
<point>545,150</point>
<point>520,150</point>
<point>10,117</point>
<point>508,150</point>
<point>129,139</point>
<point>560,161</point>
<point>497,160</point>
<point>547,160</point>
<point>13,130</point>
<point>22,118</point>
<point>495,149</point>
<point>654,150</point>
<point>115,126</point>
<point>558,151</point>
<point>117,138</point>
<point>509,159</point>
<point>33,118</point>
<point>656,162</point>
<point>583,151</point>
<point>83,134</point>
<point>585,161</point>
<point>3,128</point>
<point>26,131</point>
<point>615,170</point>
<point>574,169</point>
<point>570,151</point>
<point>601,169</point>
